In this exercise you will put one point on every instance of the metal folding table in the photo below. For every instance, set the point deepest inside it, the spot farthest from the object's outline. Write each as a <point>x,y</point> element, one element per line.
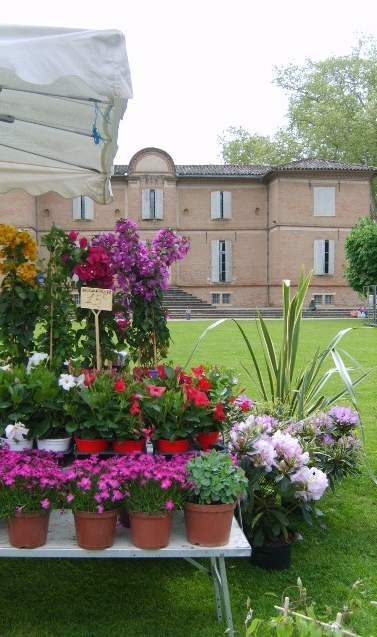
<point>61,543</point>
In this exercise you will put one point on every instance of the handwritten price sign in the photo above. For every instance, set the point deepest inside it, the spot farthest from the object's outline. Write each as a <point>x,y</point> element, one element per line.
<point>96,299</point>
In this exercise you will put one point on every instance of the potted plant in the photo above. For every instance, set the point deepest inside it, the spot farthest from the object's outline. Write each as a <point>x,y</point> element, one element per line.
<point>209,394</point>
<point>127,423</point>
<point>216,485</point>
<point>164,405</point>
<point>94,491</point>
<point>156,487</point>
<point>16,409</point>
<point>30,486</point>
<point>280,484</point>
<point>88,406</point>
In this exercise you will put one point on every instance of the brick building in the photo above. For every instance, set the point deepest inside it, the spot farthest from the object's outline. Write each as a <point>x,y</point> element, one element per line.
<point>249,226</point>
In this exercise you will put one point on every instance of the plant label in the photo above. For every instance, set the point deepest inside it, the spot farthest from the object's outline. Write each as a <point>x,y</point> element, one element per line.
<point>96,299</point>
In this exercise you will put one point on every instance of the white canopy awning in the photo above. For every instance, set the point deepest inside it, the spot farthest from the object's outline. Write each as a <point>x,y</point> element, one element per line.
<point>62,95</point>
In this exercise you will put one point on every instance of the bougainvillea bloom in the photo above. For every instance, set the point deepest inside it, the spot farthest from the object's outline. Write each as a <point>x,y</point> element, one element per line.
<point>72,236</point>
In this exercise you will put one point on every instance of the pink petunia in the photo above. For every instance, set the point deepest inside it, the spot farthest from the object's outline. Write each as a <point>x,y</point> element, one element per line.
<point>156,392</point>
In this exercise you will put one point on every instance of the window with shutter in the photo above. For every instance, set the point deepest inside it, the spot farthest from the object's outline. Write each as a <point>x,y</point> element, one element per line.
<point>82,209</point>
<point>324,201</point>
<point>228,261</point>
<point>221,204</point>
<point>215,204</point>
<point>324,256</point>
<point>152,203</point>
<point>215,262</point>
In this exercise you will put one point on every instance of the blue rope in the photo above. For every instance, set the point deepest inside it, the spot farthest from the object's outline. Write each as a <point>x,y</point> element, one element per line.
<point>97,138</point>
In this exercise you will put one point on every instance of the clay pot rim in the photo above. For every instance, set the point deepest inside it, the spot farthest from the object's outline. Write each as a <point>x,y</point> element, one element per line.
<point>214,508</point>
<point>30,514</point>
<point>95,514</point>
<point>149,515</point>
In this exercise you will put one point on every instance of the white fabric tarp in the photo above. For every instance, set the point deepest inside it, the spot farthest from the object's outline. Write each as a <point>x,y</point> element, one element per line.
<point>62,95</point>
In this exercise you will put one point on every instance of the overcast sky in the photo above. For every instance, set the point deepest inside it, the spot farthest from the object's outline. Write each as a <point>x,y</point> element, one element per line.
<point>199,66</point>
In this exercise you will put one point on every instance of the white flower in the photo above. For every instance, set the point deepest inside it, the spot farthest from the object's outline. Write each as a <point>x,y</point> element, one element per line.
<point>289,449</point>
<point>35,360</point>
<point>17,432</point>
<point>313,481</point>
<point>67,381</point>
<point>79,380</point>
<point>75,278</point>
<point>266,454</point>
<point>5,368</point>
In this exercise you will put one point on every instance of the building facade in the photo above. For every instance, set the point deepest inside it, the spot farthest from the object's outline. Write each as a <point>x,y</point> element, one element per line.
<point>249,226</point>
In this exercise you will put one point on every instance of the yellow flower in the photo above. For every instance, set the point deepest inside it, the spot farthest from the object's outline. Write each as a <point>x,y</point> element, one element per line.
<point>27,273</point>
<point>7,234</point>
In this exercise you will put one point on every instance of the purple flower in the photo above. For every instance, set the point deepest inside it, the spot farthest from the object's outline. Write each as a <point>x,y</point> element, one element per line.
<point>169,505</point>
<point>344,416</point>
<point>45,504</point>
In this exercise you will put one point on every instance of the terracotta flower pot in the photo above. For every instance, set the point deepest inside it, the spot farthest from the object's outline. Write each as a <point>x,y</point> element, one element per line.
<point>208,439</point>
<point>96,445</point>
<point>129,446</point>
<point>150,531</point>
<point>28,530</point>
<point>208,524</point>
<point>95,531</point>
<point>173,446</point>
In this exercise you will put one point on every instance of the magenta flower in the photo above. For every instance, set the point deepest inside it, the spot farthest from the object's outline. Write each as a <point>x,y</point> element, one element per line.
<point>45,504</point>
<point>169,505</point>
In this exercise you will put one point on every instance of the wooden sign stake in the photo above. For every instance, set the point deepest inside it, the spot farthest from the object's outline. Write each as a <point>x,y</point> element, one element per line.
<point>98,347</point>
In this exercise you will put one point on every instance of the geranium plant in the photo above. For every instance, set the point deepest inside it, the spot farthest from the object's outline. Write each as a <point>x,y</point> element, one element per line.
<point>215,479</point>
<point>30,481</point>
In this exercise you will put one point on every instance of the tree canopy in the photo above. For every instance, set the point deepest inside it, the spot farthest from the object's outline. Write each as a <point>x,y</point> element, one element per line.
<point>361,255</point>
<point>332,113</point>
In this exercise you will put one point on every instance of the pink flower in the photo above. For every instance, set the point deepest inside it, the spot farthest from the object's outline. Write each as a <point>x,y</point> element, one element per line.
<point>156,392</point>
<point>165,484</point>
<point>70,498</point>
<point>72,236</point>
<point>100,509</point>
<point>134,409</point>
<point>120,386</point>
<point>45,504</point>
<point>169,505</point>
<point>83,243</point>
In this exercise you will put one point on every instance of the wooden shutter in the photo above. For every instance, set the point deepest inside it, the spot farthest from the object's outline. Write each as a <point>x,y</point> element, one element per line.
<point>215,204</point>
<point>159,211</point>
<point>145,204</point>
<point>228,261</point>
<point>331,256</point>
<point>227,200</point>
<point>319,256</point>
<point>324,201</point>
<point>76,208</point>
<point>88,205</point>
<point>215,261</point>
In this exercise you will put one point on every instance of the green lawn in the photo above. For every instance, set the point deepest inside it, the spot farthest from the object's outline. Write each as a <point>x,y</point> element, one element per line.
<point>169,598</point>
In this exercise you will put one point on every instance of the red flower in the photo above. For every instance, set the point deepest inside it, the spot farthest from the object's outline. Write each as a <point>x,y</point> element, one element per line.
<point>156,392</point>
<point>199,398</point>
<point>218,413</point>
<point>83,242</point>
<point>122,324</point>
<point>184,379</point>
<point>90,377</point>
<point>120,386</point>
<point>135,409</point>
<point>161,371</point>
<point>72,236</point>
<point>204,385</point>
<point>198,371</point>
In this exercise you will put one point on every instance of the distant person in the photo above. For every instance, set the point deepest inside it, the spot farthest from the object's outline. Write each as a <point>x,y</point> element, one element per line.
<point>188,313</point>
<point>312,305</point>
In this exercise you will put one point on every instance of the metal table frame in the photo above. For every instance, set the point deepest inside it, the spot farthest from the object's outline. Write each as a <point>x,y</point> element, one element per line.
<point>61,543</point>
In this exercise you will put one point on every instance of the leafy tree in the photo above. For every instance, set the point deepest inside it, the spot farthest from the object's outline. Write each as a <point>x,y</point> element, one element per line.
<point>361,255</point>
<point>332,113</point>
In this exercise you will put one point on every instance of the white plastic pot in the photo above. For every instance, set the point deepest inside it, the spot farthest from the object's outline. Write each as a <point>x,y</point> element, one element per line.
<point>54,444</point>
<point>17,445</point>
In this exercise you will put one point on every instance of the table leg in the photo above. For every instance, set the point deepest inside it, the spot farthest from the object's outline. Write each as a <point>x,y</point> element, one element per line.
<point>216,579</point>
<point>226,598</point>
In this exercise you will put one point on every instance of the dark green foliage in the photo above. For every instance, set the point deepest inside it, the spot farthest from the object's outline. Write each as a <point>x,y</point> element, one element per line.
<point>361,255</point>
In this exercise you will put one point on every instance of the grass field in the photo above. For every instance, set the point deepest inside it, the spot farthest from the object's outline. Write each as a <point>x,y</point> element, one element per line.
<point>41,598</point>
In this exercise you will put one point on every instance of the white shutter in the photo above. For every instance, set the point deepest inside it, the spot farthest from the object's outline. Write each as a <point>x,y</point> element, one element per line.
<point>88,208</point>
<point>215,204</point>
<point>227,200</point>
<point>324,201</point>
<point>76,208</point>
<point>215,261</point>
<point>159,211</point>
<point>145,204</point>
<point>228,261</point>
<point>319,256</point>
<point>331,256</point>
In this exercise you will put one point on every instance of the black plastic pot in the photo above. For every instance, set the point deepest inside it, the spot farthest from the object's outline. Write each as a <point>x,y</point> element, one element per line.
<point>272,557</point>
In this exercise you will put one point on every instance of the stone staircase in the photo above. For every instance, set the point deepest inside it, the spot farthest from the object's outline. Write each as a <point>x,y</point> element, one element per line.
<point>177,301</point>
